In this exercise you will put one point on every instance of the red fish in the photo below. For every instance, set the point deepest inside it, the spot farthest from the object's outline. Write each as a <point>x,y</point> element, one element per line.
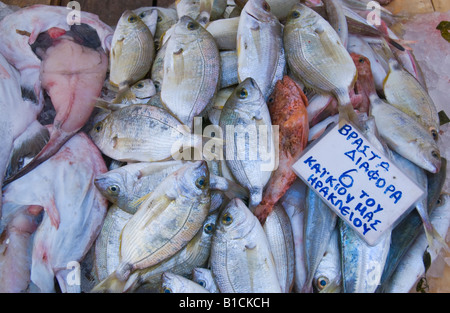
<point>287,107</point>
<point>365,85</point>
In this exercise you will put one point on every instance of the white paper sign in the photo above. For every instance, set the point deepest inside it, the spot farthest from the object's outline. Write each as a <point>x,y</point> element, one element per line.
<point>358,182</point>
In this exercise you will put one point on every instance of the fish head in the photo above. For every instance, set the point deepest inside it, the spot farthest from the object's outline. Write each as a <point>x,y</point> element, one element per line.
<point>99,134</point>
<point>301,15</point>
<point>431,157</point>
<point>248,96</point>
<point>171,283</point>
<point>362,64</point>
<point>144,89</point>
<point>149,16</point>
<point>112,186</point>
<point>236,220</point>
<point>128,24</point>
<point>259,10</point>
<point>187,27</point>
<point>193,180</point>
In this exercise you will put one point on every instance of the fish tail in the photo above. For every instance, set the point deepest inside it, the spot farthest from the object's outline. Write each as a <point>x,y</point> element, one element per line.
<point>110,285</point>
<point>346,110</point>
<point>433,236</point>
<point>231,189</point>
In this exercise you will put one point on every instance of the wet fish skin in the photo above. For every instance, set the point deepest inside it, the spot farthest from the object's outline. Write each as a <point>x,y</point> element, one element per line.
<point>191,70</point>
<point>166,222</point>
<point>246,110</point>
<point>315,55</point>
<point>288,109</point>
<point>337,19</point>
<point>279,233</point>
<point>405,136</point>
<point>404,91</point>
<point>224,32</point>
<point>140,133</point>
<point>240,253</point>
<point>204,278</point>
<point>260,47</point>
<point>132,51</point>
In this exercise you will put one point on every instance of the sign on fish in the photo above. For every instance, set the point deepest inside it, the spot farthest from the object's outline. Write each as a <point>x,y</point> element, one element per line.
<point>358,182</point>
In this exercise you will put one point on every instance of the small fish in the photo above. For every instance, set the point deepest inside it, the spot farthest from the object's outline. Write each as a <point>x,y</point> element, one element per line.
<point>260,46</point>
<point>167,17</point>
<point>241,260</point>
<point>404,135</point>
<point>279,233</point>
<point>140,133</point>
<point>204,278</point>
<point>337,19</point>
<point>179,206</point>
<point>315,54</point>
<point>288,109</point>
<point>172,283</point>
<point>132,52</point>
<point>403,91</point>
<point>245,112</point>
<point>191,71</point>
<point>328,276</point>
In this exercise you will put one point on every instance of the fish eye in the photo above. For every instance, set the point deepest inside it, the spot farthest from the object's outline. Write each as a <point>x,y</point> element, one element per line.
<point>322,282</point>
<point>202,283</point>
<point>159,19</point>
<point>227,219</point>
<point>98,127</point>
<point>132,19</point>
<point>192,26</point>
<point>266,6</point>
<point>201,183</point>
<point>114,190</point>
<point>435,154</point>
<point>166,290</point>
<point>157,85</point>
<point>243,93</point>
<point>209,229</point>
<point>361,60</point>
<point>140,85</point>
<point>271,100</point>
<point>435,134</point>
<point>295,14</point>
<point>142,15</point>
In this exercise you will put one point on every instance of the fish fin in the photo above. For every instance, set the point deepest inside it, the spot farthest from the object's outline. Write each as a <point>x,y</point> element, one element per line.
<point>346,110</point>
<point>132,283</point>
<point>262,211</point>
<point>27,145</point>
<point>110,285</point>
<point>123,94</point>
<point>250,246</point>
<point>432,236</point>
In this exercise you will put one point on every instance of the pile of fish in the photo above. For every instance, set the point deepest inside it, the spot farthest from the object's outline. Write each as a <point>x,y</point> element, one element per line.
<point>124,169</point>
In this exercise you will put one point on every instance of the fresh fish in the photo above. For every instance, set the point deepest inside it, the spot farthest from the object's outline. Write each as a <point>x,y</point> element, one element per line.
<point>288,109</point>
<point>403,91</point>
<point>405,136</point>
<point>224,32</point>
<point>260,46</point>
<point>328,276</point>
<point>378,64</point>
<point>157,71</point>
<point>107,245</point>
<point>195,254</point>
<point>317,57</point>
<point>132,52</point>
<point>127,184</point>
<point>319,129</point>
<point>172,283</point>
<point>204,278</point>
<point>279,8</point>
<point>362,265</point>
<point>167,17</point>
<point>74,211</point>
<point>140,133</point>
<point>411,226</point>
<point>293,203</point>
<point>279,233</point>
<point>365,84</point>
<point>412,267</point>
<point>18,33</point>
<point>191,71</point>
<point>72,86</point>
<point>419,176</point>
<point>18,119</point>
<point>320,222</point>
<point>150,18</point>
<point>246,112</point>
<point>229,69</point>
<point>178,207</point>
<point>241,260</point>
<point>15,257</point>
<point>337,19</point>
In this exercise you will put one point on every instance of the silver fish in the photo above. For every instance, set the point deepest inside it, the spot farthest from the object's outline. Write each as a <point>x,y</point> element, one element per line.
<point>172,283</point>
<point>241,260</point>
<point>204,278</point>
